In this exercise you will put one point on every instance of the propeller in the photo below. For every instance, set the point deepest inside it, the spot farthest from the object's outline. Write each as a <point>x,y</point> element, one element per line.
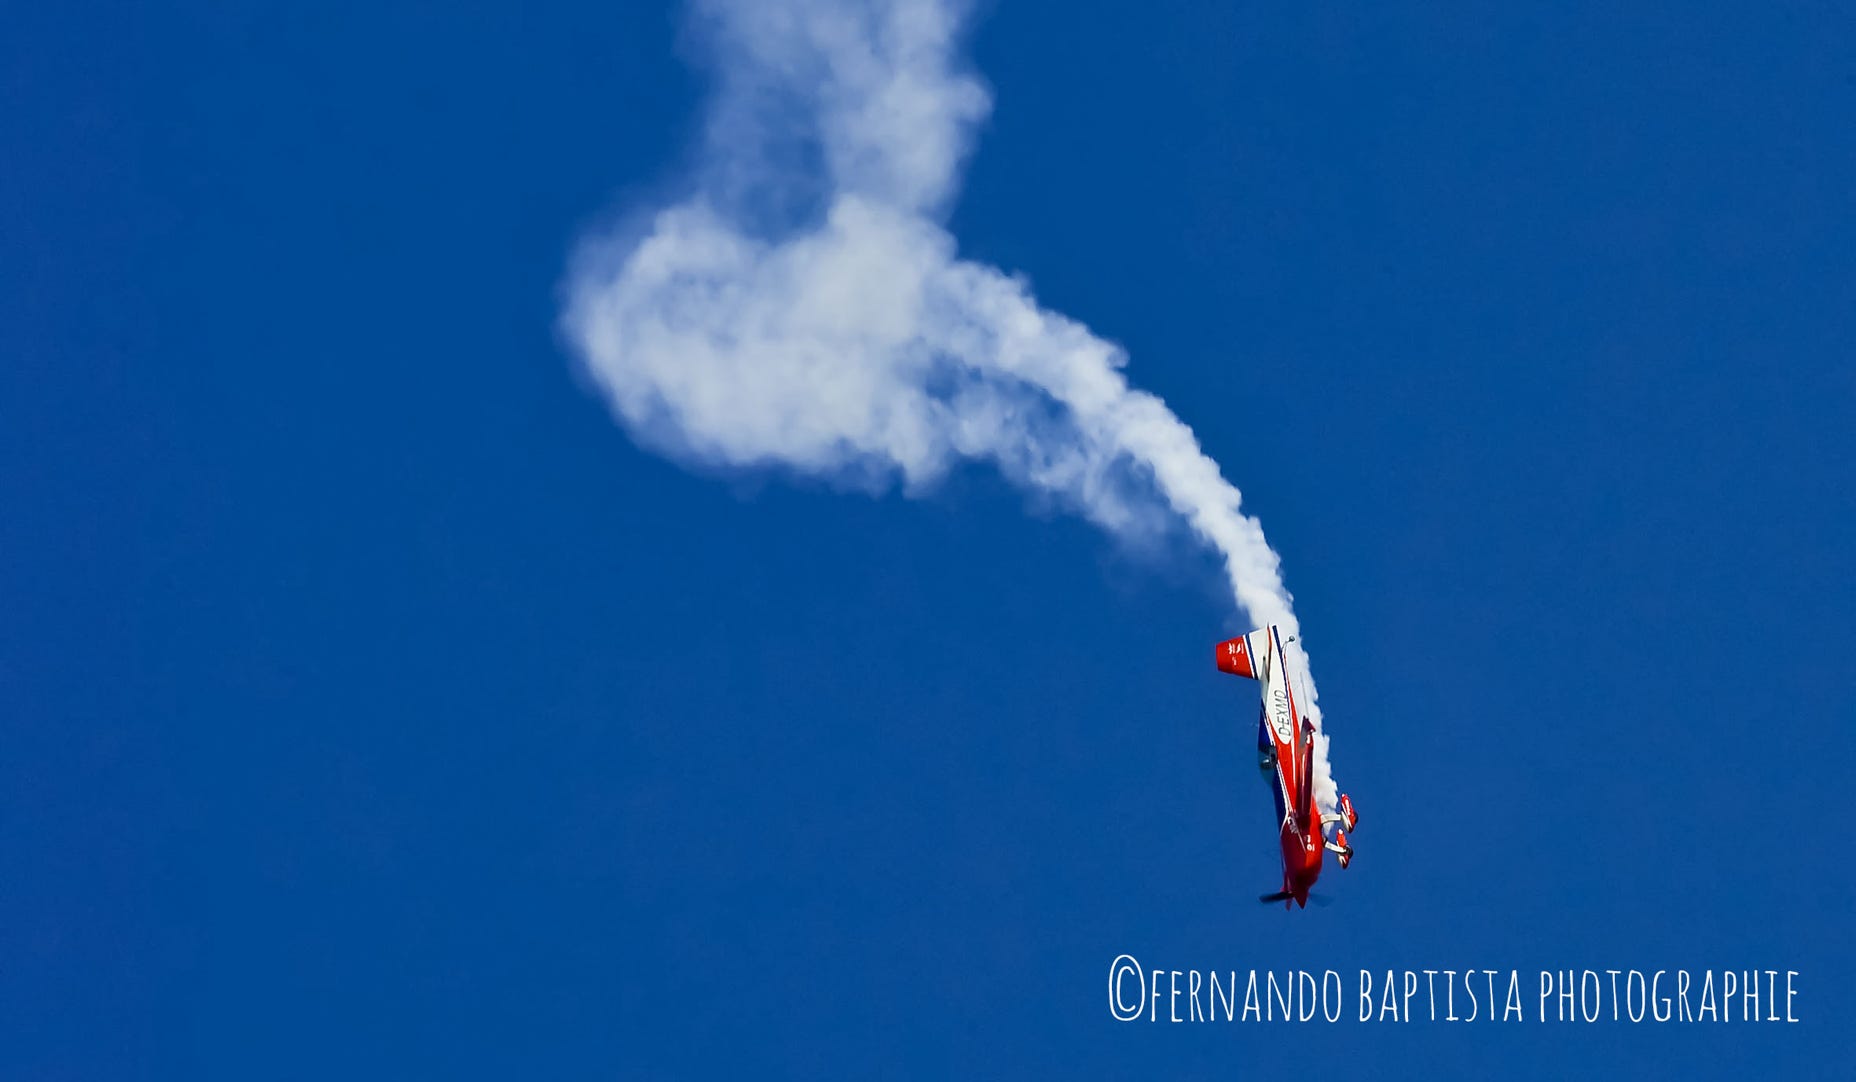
<point>1321,900</point>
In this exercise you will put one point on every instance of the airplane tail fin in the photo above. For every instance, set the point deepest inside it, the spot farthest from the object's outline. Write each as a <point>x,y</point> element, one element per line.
<point>1247,655</point>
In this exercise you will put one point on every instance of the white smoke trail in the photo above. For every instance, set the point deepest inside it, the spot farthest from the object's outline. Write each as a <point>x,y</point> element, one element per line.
<point>803,307</point>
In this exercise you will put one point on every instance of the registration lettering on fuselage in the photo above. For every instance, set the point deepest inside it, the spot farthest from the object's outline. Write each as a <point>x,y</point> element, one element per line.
<point>1280,718</point>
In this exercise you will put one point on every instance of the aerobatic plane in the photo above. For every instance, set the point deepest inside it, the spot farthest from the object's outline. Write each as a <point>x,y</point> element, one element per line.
<point>1286,756</point>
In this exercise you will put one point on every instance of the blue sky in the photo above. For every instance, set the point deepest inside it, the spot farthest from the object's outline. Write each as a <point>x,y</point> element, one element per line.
<point>373,706</point>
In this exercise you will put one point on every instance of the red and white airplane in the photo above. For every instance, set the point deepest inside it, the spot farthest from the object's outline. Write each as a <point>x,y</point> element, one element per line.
<point>1285,749</point>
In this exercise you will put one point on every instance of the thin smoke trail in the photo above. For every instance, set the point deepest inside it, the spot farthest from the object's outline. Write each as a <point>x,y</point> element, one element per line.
<point>802,306</point>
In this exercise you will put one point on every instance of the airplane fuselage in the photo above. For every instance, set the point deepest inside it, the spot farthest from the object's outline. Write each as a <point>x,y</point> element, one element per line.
<point>1282,727</point>
<point>1285,752</point>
